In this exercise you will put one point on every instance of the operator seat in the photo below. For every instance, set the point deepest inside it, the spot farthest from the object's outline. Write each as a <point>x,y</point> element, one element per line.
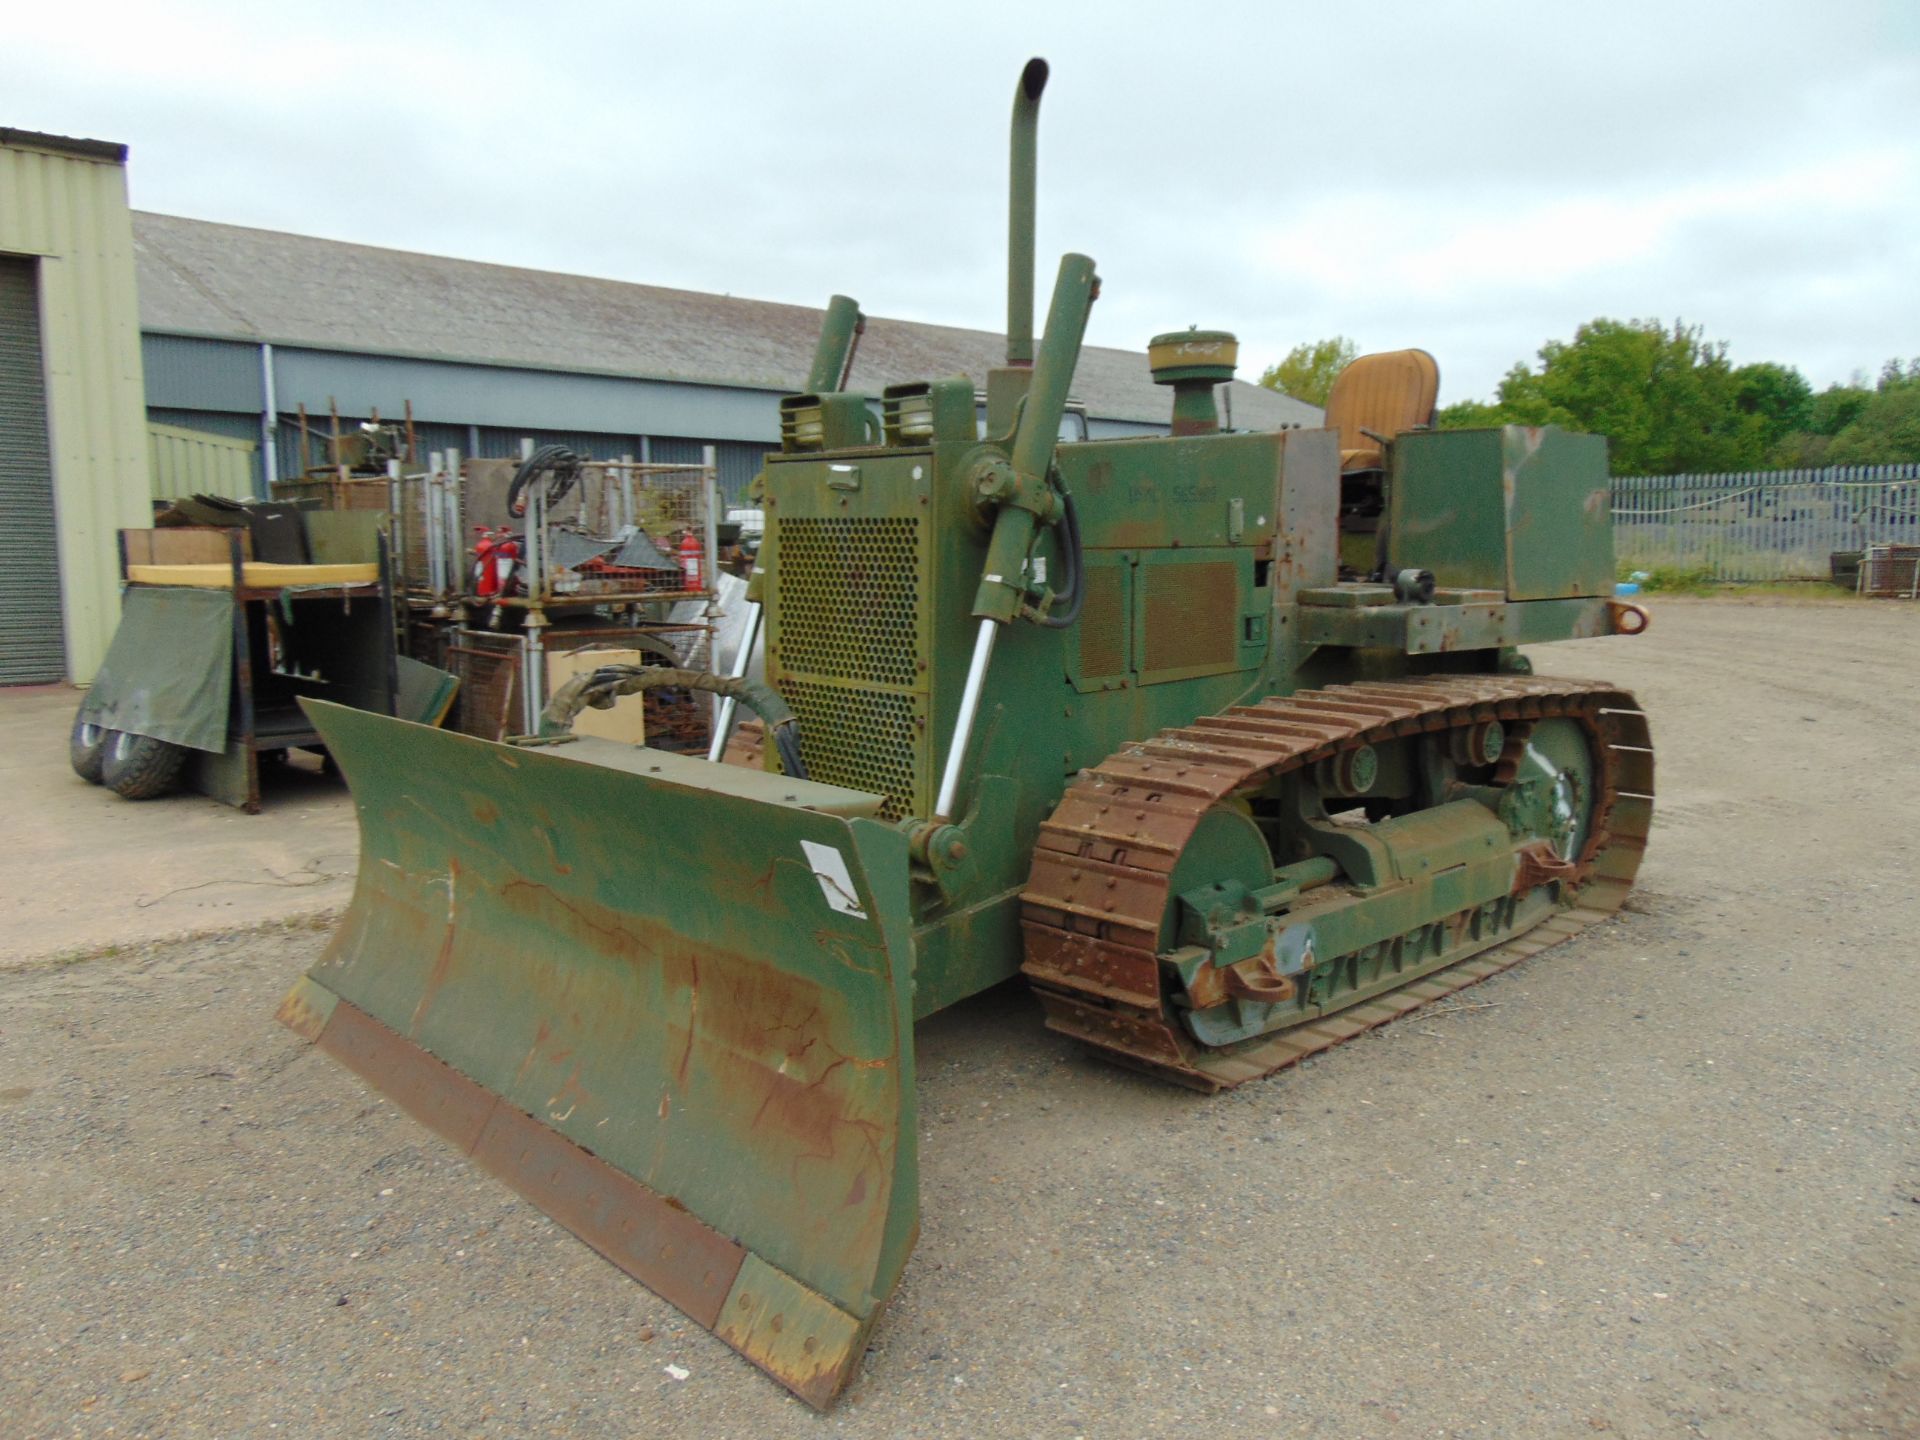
<point>1385,394</point>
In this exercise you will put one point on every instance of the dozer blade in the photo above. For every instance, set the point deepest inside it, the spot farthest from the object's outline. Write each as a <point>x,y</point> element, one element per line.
<point>660,998</point>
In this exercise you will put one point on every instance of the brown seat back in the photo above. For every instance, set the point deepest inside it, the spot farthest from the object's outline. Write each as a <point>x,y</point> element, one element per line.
<point>1385,393</point>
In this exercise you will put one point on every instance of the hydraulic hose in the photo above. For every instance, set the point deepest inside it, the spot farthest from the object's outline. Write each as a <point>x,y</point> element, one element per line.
<point>598,689</point>
<point>1073,592</point>
<point>565,466</point>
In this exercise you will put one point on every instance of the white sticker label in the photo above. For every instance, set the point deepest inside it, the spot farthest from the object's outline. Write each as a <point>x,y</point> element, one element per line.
<point>836,883</point>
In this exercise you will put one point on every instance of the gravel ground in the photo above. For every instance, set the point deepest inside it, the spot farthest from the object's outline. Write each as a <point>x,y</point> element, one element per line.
<point>1662,1180</point>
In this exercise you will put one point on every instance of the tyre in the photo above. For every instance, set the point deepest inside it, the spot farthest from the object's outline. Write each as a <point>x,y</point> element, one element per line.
<point>86,749</point>
<point>139,767</point>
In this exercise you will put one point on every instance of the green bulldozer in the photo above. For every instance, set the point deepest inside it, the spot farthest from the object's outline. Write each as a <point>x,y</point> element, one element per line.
<point>1110,715</point>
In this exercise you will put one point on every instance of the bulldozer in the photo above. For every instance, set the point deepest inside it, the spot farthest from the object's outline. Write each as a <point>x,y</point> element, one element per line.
<point>1100,714</point>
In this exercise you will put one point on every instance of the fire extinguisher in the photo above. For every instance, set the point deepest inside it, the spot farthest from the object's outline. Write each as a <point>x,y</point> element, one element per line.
<point>690,559</point>
<point>495,554</point>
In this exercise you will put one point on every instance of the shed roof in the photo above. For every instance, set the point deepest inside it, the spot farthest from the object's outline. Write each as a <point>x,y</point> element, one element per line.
<point>109,150</point>
<point>197,277</point>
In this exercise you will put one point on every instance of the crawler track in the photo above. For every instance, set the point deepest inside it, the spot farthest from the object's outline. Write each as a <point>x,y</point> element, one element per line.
<point>1097,893</point>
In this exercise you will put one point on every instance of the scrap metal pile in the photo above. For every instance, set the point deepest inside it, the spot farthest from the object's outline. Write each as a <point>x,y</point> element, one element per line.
<point>505,567</point>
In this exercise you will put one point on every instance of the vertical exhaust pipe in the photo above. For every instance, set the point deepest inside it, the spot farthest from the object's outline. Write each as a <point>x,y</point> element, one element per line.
<point>1007,383</point>
<point>1021,184</point>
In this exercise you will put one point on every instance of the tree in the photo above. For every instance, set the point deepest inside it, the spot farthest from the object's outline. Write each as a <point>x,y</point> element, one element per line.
<point>1470,415</point>
<point>1836,407</point>
<point>1309,370</point>
<point>1886,427</point>
<point>1828,413</point>
<point>1778,397</point>
<point>1667,400</point>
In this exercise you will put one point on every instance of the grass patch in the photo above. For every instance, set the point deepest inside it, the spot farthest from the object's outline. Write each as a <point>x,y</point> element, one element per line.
<point>1699,581</point>
<point>1670,579</point>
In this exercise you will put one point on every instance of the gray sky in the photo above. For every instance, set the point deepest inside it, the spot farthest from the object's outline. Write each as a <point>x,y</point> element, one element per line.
<point>1469,178</point>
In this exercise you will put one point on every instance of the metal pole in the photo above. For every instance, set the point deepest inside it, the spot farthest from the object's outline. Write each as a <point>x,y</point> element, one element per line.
<point>536,520</point>
<point>722,727</point>
<point>456,542</point>
<point>397,517</point>
<point>710,484</point>
<point>435,523</point>
<point>710,494</point>
<point>269,421</point>
<point>536,622</point>
<point>963,725</point>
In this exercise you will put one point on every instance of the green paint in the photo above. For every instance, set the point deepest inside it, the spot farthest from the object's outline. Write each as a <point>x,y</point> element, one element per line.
<point>653,969</point>
<point>1519,510</point>
<point>646,953</point>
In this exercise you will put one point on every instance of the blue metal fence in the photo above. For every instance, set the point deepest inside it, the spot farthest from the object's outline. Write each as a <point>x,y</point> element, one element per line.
<point>1763,525</point>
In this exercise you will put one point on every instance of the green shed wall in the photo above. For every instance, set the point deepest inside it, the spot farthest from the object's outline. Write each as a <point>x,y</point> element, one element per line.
<point>68,210</point>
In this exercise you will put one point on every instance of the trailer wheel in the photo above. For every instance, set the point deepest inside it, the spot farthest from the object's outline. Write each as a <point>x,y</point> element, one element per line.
<point>86,749</point>
<point>139,767</point>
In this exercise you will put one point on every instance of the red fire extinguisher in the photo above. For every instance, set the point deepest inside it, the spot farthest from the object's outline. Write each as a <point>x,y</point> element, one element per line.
<point>690,558</point>
<point>495,554</point>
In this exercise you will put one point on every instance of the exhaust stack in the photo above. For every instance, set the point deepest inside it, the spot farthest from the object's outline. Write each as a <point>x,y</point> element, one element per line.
<point>1006,384</point>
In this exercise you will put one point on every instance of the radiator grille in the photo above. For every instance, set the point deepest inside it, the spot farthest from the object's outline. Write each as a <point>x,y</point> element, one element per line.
<point>1103,624</point>
<point>1191,616</point>
<point>849,598</point>
<point>862,739</point>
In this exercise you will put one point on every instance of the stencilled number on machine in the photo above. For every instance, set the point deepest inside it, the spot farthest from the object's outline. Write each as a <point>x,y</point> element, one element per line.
<point>836,881</point>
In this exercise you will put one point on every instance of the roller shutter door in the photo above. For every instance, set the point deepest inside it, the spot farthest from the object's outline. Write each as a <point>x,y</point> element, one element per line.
<point>32,646</point>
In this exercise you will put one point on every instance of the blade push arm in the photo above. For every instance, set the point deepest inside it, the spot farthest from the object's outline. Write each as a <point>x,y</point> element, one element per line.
<point>1015,489</point>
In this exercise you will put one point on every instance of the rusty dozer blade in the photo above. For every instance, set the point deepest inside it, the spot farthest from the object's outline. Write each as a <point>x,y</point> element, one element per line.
<point>667,1001</point>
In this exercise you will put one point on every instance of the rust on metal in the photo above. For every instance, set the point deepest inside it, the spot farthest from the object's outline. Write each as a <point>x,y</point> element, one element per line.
<point>1628,618</point>
<point>1539,865</point>
<point>306,1009</point>
<point>1099,888</point>
<point>1258,979</point>
<point>796,1335</point>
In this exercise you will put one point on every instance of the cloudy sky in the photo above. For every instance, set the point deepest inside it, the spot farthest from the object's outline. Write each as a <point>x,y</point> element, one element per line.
<point>1473,178</point>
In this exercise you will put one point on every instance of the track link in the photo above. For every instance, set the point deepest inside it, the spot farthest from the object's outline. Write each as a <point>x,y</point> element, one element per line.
<point>1098,890</point>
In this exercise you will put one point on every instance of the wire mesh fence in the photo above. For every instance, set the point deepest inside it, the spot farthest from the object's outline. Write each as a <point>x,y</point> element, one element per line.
<point>1763,525</point>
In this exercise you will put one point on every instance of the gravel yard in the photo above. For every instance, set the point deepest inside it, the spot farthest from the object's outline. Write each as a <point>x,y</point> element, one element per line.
<point>1663,1180</point>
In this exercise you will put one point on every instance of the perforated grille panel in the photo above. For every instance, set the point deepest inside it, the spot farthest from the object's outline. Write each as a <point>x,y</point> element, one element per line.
<point>1103,624</point>
<point>849,592</point>
<point>1191,615</point>
<point>863,739</point>
<point>847,596</point>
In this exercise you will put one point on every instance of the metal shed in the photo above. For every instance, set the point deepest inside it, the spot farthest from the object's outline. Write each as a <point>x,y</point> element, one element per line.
<point>73,440</point>
<point>242,326</point>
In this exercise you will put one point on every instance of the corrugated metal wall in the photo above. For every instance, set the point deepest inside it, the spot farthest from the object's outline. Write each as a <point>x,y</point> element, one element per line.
<point>738,464</point>
<point>32,642</point>
<point>463,392</point>
<point>73,210</point>
<point>217,385</point>
<point>185,372</point>
<point>209,422</point>
<point>195,462</point>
